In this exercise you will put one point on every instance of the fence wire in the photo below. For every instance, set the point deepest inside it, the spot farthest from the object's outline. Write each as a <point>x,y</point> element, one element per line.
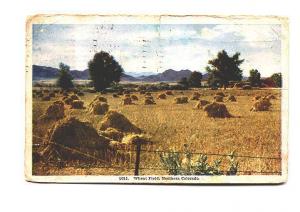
<point>102,164</point>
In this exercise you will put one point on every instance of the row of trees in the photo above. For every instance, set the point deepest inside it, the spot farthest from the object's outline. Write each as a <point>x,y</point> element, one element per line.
<point>255,79</point>
<point>105,70</point>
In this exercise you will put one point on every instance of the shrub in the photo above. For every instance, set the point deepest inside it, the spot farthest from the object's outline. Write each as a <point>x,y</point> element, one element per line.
<point>195,79</point>
<point>64,80</point>
<point>185,164</point>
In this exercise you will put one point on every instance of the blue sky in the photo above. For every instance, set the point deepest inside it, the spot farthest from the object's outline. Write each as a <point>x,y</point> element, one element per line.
<point>155,48</point>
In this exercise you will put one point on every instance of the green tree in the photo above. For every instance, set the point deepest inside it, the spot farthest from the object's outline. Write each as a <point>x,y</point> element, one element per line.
<point>104,70</point>
<point>254,77</point>
<point>224,68</point>
<point>64,80</point>
<point>184,82</point>
<point>277,79</point>
<point>195,79</point>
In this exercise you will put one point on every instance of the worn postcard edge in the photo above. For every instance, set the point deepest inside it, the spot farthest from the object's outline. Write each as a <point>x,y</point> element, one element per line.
<point>155,19</point>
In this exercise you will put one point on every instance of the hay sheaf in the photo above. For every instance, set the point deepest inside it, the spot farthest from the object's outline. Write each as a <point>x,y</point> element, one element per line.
<point>134,139</point>
<point>71,139</point>
<point>169,93</point>
<point>55,111</point>
<point>74,97</point>
<point>127,101</point>
<point>217,110</point>
<point>201,104</point>
<point>77,104</point>
<point>231,98</point>
<point>72,132</point>
<point>149,101</point>
<point>261,105</point>
<point>270,96</point>
<point>218,98</point>
<point>67,100</point>
<point>113,134</point>
<point>116,120</point>
<point>149,97</point>
<point>98,98</point>
<point>220,94</point>
<point>98,108</point>
<point>134,97</point>
<point>195,96</point>
<point>255,98</point>
<point>162,96</point>
<point>80,93</point>
<point>181,100</point>
<point>65,93</point>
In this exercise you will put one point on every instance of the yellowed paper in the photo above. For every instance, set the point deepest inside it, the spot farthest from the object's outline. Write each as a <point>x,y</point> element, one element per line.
<point>150,125</point>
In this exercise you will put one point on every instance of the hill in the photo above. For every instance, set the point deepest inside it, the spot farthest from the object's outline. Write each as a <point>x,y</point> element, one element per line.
<point>170,75</point>
<point>44,72</point>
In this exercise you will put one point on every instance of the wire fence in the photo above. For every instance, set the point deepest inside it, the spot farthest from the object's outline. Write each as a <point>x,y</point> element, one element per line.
<point>127,158</point>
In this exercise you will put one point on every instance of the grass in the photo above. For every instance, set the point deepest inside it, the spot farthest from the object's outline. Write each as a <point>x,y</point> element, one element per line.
<point>172,126</point>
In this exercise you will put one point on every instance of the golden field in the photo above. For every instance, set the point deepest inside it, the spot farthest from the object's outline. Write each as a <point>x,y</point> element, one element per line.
<point>171,126</point>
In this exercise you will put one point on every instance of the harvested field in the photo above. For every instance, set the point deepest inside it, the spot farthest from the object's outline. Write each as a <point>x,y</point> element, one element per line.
<point>172,126</point>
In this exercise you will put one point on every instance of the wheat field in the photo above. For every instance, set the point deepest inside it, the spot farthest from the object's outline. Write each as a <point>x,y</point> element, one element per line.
<point>173,126</point>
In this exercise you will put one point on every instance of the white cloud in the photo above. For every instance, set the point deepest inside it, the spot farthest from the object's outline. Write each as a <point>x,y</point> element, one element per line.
<point>179,47</point>
<point>252,34</point>
<point>266,63</point>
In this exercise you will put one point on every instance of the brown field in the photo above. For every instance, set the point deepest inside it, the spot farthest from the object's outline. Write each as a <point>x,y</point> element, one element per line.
<point>171,126</point>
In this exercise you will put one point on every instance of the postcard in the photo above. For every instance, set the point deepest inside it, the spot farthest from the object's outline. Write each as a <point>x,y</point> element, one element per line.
<point>161,99</point>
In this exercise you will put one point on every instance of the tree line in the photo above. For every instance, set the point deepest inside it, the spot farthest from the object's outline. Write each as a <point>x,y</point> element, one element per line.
<point>104,71</point>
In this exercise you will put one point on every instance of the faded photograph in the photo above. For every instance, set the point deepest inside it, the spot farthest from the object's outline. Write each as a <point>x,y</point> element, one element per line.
<point>165,99</point>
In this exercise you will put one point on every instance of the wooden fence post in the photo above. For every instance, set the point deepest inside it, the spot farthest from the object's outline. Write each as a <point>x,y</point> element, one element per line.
<point>137,159</point>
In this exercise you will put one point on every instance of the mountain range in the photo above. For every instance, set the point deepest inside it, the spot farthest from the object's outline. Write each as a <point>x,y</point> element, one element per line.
<point>170,75</point>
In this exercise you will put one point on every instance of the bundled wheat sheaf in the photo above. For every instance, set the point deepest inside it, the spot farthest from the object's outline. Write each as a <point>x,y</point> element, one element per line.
<point>181,100</point>
<point>201,103</point>
<point>217,110</point>
<point>261,105</point>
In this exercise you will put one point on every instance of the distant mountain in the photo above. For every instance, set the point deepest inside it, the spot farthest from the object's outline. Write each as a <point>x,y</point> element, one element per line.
<point>44,72</point>
<point>170,75</point>
<point>128,78</point>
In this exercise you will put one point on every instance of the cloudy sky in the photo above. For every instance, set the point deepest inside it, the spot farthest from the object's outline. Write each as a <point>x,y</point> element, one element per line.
<point>155,48</point>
